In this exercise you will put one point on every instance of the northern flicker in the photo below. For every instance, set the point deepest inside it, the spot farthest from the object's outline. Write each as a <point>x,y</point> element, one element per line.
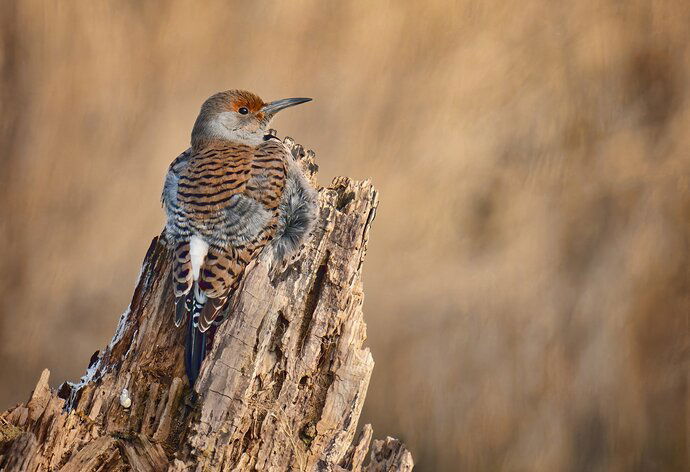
<point>236,191</point>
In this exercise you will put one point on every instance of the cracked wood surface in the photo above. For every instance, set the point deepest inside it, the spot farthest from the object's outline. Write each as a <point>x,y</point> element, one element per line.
<point>281,389</point>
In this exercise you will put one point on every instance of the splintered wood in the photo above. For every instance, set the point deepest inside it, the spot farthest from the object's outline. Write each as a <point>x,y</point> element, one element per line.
<point>282,388</point>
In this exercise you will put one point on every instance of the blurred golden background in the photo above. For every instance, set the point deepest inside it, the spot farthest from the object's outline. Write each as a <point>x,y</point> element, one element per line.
<point>528,280</point>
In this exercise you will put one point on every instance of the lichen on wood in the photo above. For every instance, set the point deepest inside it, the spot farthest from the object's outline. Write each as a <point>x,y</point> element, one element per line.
<point>281,389</point>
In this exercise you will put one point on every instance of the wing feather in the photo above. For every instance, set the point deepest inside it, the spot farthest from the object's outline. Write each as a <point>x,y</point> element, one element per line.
<point>239,188</point>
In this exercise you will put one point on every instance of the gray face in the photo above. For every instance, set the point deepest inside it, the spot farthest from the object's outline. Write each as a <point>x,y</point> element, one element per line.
<point>234,126</point>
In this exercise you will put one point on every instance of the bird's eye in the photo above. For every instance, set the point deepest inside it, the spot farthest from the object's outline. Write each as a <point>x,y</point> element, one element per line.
<point>243,111</point>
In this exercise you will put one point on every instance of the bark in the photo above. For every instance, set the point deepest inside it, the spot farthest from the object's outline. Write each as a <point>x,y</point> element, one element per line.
<point>281,389</point>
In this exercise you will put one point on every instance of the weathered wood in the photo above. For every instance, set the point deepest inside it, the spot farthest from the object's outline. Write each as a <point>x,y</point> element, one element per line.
<point>281,389</point>
<point>389,454</point>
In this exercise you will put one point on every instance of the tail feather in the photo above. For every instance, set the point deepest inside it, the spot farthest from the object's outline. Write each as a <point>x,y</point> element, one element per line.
<point>195,343</point>
<point>210,311</point>
<point>183,306</point>
<point>195,351</point>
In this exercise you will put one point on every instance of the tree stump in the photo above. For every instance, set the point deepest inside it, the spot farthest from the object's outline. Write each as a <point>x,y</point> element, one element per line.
<point>281,389</point>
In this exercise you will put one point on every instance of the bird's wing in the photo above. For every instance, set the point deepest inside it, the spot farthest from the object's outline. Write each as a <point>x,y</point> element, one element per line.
<point>175,233</point>
<point>255,215</point>
<point>183,280</point>
<point>197,185</point>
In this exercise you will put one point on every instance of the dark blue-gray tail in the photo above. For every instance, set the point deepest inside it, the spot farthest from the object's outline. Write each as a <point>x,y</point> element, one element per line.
<point>195,341</point>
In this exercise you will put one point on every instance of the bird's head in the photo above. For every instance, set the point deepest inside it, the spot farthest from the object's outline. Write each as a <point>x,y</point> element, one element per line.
<point>237,115</point>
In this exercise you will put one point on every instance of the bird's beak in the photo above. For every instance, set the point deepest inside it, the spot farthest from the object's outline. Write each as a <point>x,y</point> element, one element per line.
<point>277,105</point>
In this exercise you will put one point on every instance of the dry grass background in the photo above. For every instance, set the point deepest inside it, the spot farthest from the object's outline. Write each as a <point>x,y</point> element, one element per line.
<point>528,280</point>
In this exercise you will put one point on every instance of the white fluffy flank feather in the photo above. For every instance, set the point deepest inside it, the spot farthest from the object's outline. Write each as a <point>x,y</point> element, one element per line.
<point>198,248</point>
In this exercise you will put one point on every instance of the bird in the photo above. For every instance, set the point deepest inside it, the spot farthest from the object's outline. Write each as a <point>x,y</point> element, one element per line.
<point>236,191</point>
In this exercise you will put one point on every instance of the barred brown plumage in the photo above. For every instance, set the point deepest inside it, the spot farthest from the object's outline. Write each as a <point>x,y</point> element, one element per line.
<point>225,202</point>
